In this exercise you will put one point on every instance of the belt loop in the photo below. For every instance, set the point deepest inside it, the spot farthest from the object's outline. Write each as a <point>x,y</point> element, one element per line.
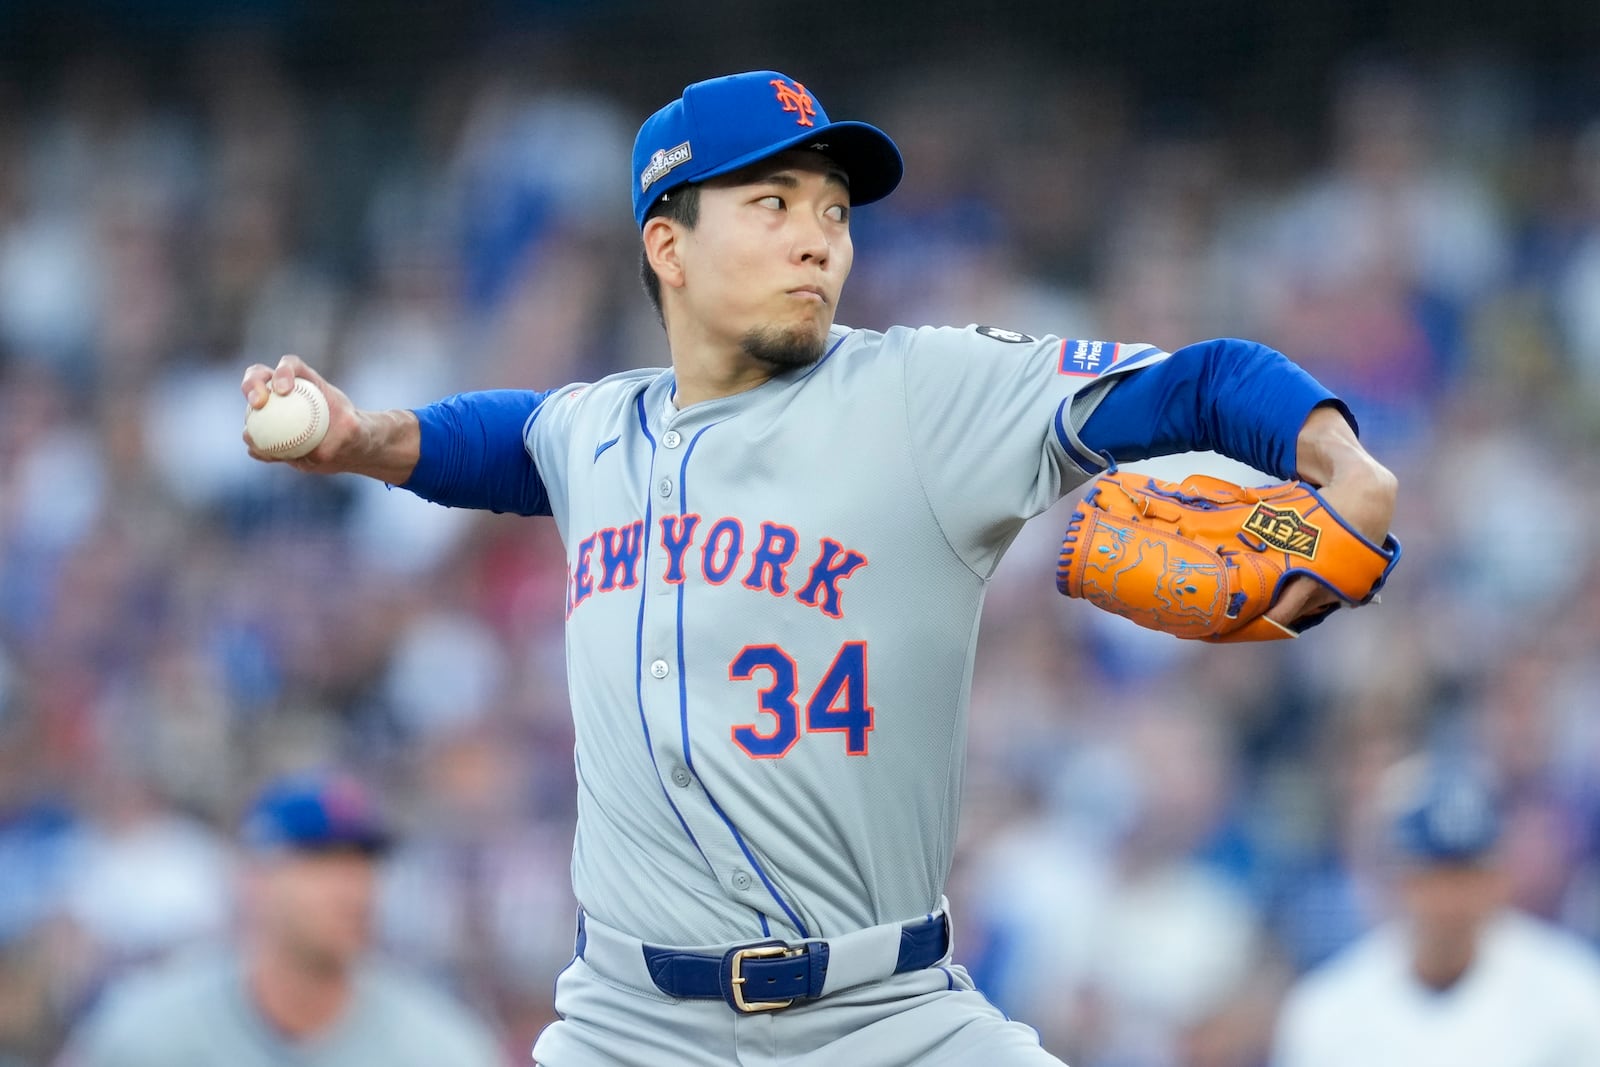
<point>818,959</point>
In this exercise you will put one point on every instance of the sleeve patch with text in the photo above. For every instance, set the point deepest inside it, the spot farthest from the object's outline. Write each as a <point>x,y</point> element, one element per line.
<point>1086,359</point>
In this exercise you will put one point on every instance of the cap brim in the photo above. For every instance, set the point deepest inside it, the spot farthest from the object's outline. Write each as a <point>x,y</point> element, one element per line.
<point>1452,858</point>
<point>373,845</point>
<point>373,842</point>
<point>865,153</point>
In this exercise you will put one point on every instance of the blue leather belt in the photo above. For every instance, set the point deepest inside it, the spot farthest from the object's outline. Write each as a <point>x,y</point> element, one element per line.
<point>769,975</point>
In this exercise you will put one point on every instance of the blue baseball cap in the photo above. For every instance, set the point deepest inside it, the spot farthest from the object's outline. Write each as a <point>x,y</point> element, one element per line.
<point>722,124</point>
<point>316,812</point>
<point>1447,816</point>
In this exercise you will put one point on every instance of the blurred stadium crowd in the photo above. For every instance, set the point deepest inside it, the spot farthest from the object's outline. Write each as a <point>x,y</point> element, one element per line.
<point>1157,837</point>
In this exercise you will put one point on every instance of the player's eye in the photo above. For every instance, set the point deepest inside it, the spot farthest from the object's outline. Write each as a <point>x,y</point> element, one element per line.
<point>774,203</point>
<point>838,213</point>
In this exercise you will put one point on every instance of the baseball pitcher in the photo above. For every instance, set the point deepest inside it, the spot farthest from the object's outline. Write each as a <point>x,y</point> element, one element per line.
<point>777,550</point>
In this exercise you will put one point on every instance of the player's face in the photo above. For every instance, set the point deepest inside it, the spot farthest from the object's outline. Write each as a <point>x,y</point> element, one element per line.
<point>1452,903</point>
<point>766,262</point>
<point>318,907</point>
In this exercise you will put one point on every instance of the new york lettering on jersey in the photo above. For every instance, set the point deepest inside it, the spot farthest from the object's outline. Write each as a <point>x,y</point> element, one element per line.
<point>714,550</point>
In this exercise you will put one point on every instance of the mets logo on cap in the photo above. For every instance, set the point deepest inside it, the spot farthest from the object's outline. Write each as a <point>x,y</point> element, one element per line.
<point>795,98</point>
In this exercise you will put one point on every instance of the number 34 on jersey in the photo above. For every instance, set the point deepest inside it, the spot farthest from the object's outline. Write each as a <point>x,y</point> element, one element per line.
<point>838,704</point>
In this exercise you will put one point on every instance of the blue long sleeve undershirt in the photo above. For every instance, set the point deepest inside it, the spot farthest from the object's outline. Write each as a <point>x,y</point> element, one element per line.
<point>473,456</point>
<point>1239,398</point>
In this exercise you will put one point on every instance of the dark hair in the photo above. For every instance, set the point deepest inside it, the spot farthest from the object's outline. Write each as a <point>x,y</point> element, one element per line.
<point>681,205</point>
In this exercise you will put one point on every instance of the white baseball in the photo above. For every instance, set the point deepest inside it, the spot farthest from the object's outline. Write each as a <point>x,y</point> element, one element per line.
<point>288,426</point>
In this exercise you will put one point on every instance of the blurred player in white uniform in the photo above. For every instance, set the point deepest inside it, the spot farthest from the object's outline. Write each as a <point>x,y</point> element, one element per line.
<point>1457,978</point>
<point>301,986</point>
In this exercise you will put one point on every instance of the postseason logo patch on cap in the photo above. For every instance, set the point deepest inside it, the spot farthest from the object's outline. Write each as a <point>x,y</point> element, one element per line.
<point>664,160</point>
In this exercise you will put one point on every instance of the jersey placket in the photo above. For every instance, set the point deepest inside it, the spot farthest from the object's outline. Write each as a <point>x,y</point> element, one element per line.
<point>663,660</point>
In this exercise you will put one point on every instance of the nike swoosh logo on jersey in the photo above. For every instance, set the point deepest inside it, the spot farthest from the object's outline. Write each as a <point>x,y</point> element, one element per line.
<point>603,446</point>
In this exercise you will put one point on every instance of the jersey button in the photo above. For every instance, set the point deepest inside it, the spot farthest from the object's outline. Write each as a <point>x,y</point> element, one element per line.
<point>671,438</point>
<point>664,487</point>
<point>680,778</point>
<point>741,881</point>
<point>659,669</point>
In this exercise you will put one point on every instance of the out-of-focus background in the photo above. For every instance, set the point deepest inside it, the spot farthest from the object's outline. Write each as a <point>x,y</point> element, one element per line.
<point>422,198</point>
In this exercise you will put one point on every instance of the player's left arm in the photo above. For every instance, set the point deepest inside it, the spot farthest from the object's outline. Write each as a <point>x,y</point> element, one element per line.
<point>1250,403</point>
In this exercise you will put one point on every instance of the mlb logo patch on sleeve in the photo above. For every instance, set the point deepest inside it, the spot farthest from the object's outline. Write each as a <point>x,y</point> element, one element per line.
<point>1010,337</point>
<point>1085,359</point>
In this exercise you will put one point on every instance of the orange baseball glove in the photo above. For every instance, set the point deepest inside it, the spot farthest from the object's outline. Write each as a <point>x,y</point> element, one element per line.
<point>1207,559</point>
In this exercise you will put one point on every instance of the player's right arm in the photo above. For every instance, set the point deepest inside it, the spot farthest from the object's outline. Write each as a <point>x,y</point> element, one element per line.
<point>464,451</point>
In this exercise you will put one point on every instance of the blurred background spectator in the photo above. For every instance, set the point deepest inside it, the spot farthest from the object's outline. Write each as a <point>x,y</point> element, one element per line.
<point>1158,838</point>
<point>296,982</point>
<point>1456,975</point>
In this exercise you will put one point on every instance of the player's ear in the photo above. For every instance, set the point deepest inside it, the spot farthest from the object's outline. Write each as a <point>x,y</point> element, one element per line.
<point>662,249</point>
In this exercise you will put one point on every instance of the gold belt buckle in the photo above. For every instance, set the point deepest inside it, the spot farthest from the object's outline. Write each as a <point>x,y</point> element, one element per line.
<point>737,976</point>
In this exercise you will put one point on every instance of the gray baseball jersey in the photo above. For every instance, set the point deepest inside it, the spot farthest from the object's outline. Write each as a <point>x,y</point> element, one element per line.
<point>772,612</point>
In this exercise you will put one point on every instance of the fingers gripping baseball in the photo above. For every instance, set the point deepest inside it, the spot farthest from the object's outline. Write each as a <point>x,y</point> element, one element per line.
<point>293,416</point>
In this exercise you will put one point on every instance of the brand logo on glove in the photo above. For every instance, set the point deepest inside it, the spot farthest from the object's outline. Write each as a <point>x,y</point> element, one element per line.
<point>1284,529</point>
